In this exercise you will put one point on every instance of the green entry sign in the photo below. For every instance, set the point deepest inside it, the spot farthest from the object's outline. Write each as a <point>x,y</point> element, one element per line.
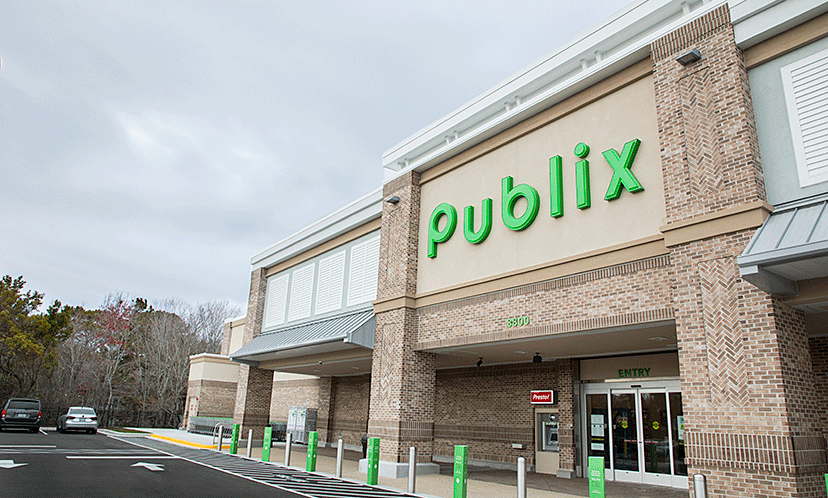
<point>596,477</point>
<point>234,440</point>
<point>461,471</point>
<point>372,473</point>
<point>268,436</point>
<point>313,444</point>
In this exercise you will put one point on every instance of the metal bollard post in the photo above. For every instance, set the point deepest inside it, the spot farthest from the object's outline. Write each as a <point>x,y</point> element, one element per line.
<point>521,477</point>
<point>249,443</point>
<point>220,437</point>
<point>699,486</point>
<point>412,469</point>
<point>287,449</point>
<point>339,459</point>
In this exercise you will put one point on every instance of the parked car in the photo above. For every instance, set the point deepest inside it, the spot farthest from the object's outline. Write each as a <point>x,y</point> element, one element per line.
<point>21,413</point>
<point>78,418</point>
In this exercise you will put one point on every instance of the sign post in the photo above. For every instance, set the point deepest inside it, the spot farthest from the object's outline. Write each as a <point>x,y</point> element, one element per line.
<point>234,441</point>
<point>268,436</point>
<point>461,470</point>
<point>372,473</point>
<point>313,441</point>
<point>596,477</point>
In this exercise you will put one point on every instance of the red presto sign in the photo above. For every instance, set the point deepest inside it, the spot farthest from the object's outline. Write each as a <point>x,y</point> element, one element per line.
<point>543,397</point>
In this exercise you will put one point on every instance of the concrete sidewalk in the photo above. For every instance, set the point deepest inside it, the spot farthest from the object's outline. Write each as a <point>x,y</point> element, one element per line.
<point>483,482</point>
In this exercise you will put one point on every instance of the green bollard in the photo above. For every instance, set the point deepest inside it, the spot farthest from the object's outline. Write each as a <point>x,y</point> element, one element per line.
<point>596,477</point>
<point>268,435</point>
<point>826,483</point>
<point>372,473</point>
<point>461,470</point>
<point>313,443</point>
<point>234,441</point>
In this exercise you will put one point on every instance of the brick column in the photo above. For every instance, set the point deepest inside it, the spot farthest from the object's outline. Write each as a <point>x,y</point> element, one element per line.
<point>255,384</point>
<point>747,380</point>
<point>402,380</point>
<point>324,413</point>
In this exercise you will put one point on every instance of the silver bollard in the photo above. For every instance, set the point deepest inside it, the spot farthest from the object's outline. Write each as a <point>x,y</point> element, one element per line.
<point>287,449</point>
<point>249,443</point>
<point>220,437</point>
<point>699,486</point>
<point>521,477</point>
<point>339,459</point>
<point>412,469</point>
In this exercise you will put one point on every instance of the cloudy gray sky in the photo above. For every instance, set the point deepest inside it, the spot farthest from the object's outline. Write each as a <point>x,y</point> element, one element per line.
<point>150,148</point>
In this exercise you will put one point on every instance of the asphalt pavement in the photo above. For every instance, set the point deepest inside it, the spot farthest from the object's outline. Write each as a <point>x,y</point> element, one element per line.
<point>80,465</point>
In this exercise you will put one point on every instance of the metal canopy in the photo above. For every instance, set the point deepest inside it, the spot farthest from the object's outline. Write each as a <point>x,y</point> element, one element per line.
<point>341,332</point>
<point>791,245</point>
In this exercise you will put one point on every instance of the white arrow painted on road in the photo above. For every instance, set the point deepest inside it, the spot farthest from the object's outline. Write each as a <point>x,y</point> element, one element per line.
<point>152,466</point>
<point>9,464</point>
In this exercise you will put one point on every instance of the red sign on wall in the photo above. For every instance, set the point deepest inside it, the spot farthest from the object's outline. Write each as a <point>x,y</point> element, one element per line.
<point>544,397</point>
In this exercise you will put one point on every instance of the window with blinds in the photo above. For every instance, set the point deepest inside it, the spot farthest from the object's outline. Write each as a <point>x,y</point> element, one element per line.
<point>330,283</point>
<point>806,93</point>
<point>275,301</point>
<point>301,291</point>
<point>363,270</point>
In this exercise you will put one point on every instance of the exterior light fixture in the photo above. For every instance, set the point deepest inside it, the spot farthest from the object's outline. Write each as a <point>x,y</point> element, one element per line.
<point>689,58</point>
<point>537,358</point>
<point>393,199</point>
<point>479,362</point>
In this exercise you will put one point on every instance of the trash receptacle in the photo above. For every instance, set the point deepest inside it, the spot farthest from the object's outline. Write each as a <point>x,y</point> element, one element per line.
<point>365,446</point>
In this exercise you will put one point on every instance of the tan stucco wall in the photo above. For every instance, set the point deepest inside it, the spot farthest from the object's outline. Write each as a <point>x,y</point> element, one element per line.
<point>213,367</point>
<point>608,123</point>
<point>236,336</point>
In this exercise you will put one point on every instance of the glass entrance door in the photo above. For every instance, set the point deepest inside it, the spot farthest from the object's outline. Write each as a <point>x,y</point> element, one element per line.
<point>639,430</point>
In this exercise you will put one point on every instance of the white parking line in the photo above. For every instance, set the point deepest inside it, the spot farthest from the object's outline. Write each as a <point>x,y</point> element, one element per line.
<point>122,457</point>
<point>42,431</point>
<point>27,446</point>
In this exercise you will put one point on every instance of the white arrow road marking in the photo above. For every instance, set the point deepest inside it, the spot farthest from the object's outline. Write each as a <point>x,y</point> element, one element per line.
<point>151,466</point>
<point>9,464</point>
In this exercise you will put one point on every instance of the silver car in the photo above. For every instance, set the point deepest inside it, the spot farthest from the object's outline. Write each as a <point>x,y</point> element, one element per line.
<point>78,418</point>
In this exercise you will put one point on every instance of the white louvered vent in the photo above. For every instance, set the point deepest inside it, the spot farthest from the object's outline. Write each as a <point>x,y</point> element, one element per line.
<point>330,282</point>
<point>806,93</point>
<point>362,278</point>
<point>301,290</point>
<point>276,301</point>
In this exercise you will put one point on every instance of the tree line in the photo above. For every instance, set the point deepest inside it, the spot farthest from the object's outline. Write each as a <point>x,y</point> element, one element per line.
<point>128,359</point>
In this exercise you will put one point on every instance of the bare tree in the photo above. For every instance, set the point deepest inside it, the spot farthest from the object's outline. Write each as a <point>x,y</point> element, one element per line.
<point>206,320</point>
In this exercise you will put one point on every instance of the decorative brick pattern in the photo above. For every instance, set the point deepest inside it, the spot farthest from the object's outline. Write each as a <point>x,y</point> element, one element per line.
<point>349,409</point>
<point>747,376</point>
<point>726,359</point>
<point>402,380</point>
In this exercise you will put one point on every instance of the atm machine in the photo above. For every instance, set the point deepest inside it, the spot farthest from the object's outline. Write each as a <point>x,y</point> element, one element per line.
<point>547,450</point>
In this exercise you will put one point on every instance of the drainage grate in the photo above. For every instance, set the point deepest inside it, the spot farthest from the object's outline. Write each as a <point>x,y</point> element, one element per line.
<point>289,479</point>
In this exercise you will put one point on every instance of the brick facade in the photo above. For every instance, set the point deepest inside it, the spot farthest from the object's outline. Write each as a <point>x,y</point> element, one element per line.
<point>287,393</point>
<point>252,408</point>
<point>747,378</point>
<point>508,417</point>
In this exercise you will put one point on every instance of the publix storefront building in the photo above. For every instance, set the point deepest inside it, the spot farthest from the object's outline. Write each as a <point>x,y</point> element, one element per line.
<point>620,252</point>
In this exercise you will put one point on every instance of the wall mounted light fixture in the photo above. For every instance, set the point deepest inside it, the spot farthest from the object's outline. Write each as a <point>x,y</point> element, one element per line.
<point>393,199</point>
<point>689,58</point>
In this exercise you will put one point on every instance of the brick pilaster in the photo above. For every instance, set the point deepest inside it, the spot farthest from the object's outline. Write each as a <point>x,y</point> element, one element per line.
<point>255,385</point>
<point>403,380</point>
<point>324,410</point>
<point>747,380</point>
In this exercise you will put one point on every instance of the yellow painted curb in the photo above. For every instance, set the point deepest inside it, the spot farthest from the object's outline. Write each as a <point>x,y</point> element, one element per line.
<point>181,441</point>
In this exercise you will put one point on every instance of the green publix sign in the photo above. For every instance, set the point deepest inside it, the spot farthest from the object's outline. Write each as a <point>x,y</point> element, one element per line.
<point>622,177</point>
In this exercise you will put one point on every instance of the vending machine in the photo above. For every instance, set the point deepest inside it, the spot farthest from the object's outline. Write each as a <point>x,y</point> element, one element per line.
<point>301,421</point>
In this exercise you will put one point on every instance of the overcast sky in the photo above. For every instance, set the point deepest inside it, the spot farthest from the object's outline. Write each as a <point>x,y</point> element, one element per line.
<point>151,148</point>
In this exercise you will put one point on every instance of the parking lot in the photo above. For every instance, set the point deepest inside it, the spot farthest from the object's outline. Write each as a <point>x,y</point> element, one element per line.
<point>85,466</point>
